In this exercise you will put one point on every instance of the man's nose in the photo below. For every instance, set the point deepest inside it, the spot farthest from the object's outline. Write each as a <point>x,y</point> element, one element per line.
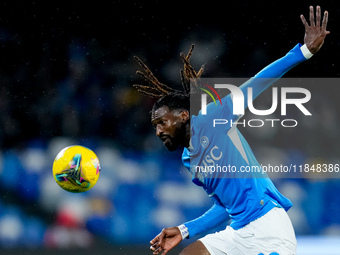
<point>159,131</point>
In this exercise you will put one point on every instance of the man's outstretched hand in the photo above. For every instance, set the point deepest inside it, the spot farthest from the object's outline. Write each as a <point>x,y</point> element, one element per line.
<point>316,32</point>
<point>166,240</point>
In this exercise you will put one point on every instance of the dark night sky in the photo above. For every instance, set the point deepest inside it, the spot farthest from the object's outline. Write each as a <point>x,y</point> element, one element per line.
<point>126,26</point>
<point>35,39</point>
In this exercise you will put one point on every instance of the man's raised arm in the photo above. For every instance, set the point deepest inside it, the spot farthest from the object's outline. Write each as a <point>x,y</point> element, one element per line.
<point>315,34</point>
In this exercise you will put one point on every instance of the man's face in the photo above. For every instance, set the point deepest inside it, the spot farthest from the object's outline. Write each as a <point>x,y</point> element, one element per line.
<point>169,127</point>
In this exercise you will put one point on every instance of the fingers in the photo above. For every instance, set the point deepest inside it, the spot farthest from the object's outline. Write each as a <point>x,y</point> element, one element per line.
<point>155,240</point>
<point>314,33</point>
<point>155,250</point>
<point>318,16</point>
<point>311,16</point>
<point>156,243</point>
<point>304,22</point>
<point>325,21</point>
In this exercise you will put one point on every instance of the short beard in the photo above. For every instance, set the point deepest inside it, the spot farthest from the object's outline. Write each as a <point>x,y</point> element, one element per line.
<point>177,139</point>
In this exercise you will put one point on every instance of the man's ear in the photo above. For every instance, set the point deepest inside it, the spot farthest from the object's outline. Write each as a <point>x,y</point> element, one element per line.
<point>185,116</point>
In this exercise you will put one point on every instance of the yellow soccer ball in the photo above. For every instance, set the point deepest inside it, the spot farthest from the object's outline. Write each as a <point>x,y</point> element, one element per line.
<point>76,169</point>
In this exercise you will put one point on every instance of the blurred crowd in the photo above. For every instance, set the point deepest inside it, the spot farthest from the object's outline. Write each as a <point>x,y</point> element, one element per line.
<point>89,100</point>
<point>137,194</point>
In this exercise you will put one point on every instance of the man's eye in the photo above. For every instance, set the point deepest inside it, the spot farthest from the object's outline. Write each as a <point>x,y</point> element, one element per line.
<point>160,122</point>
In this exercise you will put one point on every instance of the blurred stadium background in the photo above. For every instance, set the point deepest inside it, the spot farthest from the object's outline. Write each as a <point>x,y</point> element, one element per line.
<point>66,72</point>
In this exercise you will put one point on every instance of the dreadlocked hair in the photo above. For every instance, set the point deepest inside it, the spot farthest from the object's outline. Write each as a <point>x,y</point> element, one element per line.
<point>188,73</point>
<point>174,101</point>
<point>156,89</point>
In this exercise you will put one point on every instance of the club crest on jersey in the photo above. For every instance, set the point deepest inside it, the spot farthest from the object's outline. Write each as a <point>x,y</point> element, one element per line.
<point>204,142</point>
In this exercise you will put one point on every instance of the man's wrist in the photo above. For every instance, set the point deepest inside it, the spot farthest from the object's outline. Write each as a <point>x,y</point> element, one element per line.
<point>184,231</point>
<point>305,51</point>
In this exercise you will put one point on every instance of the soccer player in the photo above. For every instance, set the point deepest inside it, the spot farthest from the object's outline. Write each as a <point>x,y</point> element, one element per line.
<point>259,222</point>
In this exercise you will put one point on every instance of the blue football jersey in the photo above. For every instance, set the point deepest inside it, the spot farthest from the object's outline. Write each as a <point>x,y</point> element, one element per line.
<point>242,196</point>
